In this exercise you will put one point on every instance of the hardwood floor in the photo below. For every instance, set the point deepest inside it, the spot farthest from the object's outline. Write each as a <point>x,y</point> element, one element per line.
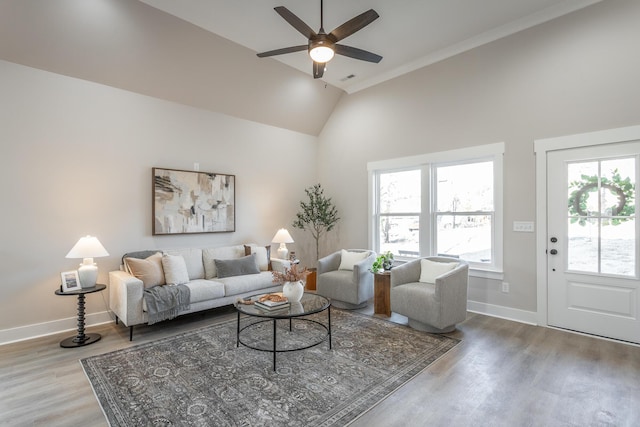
<point>503,373</point>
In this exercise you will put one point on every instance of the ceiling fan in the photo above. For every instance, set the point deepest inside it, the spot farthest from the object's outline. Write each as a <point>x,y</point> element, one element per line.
<point>322,46</point>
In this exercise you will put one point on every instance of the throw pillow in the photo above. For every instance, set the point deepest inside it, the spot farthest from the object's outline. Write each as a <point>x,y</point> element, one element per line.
<point>263,255</point>
<point>349,259</point>
<point>175,270</point>
<point>209,256</point>
<point>149,270</point>
<point>430,270</point>
<point>237,267</point>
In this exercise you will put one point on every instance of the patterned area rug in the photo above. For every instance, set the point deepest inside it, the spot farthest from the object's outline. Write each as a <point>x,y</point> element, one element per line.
<point>200,378</point>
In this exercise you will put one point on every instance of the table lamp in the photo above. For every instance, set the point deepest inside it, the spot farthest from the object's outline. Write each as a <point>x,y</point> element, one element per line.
<point>283,237</point>
<point>87,248</point>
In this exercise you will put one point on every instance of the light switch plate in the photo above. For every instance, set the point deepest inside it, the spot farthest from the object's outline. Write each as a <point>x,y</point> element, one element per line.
<point>523,226</point>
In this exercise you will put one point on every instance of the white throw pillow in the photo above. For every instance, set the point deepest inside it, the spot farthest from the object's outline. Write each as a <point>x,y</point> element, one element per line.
<point>175,270</point>
<point>262,255</point>
<point>430,270</point>
<point>348,259</point>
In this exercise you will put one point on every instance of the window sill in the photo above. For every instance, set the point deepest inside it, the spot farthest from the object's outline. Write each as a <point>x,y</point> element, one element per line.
<point>486,274</point>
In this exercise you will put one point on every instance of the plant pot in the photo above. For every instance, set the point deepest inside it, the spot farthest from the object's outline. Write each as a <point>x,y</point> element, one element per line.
<point>293,291</point>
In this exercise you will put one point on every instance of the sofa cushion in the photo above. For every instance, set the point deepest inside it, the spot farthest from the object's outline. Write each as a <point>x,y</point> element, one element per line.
<point>253,282</point>
<point>204,290</point>
<point>209,256</point>
<point>263,255</point>
<point>149,270</point>
<point>237,267</point>
<point>193,260</point>
<point>175,269</point>
<point>430,270</point>
<point>348,259</point>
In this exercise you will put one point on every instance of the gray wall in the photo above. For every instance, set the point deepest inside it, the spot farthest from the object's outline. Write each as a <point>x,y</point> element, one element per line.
<point>76,156</point>
<point>575,74</point>
<point>76,160</point>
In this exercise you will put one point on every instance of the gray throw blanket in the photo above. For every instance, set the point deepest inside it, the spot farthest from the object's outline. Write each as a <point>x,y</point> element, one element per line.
<point>166,302</point>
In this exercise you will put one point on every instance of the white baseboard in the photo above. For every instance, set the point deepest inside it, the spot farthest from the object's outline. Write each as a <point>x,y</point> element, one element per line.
<point>517,315</point>
<point>69,324</point>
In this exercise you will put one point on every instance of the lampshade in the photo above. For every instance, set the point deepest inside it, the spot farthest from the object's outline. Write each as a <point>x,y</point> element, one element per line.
<point>87,248</point>
<point>282,236</point>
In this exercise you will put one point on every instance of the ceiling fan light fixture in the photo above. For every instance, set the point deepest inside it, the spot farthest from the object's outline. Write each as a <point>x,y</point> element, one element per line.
<point>321,53</point>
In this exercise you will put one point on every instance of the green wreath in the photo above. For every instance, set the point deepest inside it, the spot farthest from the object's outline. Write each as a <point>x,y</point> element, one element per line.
<point>620,212</point>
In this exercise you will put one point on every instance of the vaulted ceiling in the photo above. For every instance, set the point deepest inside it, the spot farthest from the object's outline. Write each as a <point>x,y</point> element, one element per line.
<point>202,53</point>
<point>409,34</point>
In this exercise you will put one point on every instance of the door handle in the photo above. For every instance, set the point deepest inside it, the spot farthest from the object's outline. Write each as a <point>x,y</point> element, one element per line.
<point>553,252</point>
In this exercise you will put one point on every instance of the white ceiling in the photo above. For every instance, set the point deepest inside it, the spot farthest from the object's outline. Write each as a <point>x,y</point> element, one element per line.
<point>409,34</point>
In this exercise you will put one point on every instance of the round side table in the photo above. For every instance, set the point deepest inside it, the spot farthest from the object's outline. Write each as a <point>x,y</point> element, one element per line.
<point>81,339</point>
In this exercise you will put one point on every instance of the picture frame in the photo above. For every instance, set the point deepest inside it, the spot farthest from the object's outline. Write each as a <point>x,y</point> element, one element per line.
<point>191,202</point>
<point>70,281</point>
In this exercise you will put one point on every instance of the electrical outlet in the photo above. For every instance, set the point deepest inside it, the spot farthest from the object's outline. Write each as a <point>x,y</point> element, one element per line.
<point>196,167</point>
<point>505,287</point>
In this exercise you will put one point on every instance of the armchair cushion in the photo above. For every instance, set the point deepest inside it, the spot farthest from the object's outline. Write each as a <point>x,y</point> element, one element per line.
<point>429,270</point>
<point>349,259</point>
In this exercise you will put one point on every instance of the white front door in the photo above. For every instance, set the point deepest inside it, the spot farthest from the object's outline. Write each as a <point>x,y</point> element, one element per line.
<point>593,266</point>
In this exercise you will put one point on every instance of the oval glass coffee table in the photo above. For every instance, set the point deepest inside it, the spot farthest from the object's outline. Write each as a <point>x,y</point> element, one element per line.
<point>308,305</point>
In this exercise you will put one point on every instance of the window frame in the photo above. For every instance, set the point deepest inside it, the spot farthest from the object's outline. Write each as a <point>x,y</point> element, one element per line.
<point>427,163</point>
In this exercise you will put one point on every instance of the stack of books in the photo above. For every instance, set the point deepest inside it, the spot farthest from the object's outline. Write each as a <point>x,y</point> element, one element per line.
<point>272,305</point>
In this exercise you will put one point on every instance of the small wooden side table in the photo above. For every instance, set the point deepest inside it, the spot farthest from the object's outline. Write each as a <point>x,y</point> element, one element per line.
<point>81,339</point>
<point>311,280</point>
<point>381,293</point>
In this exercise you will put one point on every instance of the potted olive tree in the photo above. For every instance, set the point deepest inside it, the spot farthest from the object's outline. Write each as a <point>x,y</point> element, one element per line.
<point>318,215</point>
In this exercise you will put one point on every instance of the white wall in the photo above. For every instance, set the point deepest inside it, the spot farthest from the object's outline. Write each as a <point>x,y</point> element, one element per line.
<point>76,159</point>
<point>575,74</point>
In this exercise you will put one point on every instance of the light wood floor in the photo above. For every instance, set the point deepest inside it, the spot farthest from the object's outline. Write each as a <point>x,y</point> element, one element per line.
<point>502,374</point>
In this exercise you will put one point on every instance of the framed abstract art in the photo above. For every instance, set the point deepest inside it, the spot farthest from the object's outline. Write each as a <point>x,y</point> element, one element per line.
<point>186,202</point>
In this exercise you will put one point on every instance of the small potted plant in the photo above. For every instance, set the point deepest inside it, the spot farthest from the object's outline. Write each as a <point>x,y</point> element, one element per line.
<point>383,262</point>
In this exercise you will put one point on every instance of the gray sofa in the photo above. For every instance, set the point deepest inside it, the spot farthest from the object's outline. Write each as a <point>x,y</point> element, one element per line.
<point>207,290</point>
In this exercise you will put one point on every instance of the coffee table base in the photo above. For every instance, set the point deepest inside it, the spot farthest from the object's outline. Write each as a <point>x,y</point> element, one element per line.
<point>274,350</point>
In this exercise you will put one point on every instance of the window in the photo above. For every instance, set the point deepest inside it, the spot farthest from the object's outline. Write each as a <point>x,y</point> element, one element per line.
<point>463,214</point>
<point>446,203</point>
<point>398,222</point>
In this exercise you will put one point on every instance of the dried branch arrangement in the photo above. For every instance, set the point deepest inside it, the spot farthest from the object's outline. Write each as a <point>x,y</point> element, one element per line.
<point>290,274</point>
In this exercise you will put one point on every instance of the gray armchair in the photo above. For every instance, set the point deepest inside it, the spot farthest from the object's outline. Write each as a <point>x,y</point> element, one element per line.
<point>347,288</point>
<point>431,307</point>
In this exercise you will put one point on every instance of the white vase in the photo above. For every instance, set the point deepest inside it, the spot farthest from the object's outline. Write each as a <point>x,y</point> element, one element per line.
<point>293,291</point>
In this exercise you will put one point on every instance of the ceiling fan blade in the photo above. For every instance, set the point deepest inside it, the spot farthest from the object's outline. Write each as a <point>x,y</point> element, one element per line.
<point>318,69</point>
<point>354,24</point>
<point>354,52</point>
<point>295,22</point>
<point>283,51</point>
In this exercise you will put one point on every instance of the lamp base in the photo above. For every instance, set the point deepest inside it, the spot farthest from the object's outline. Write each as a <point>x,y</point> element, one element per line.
<point>283,252</point>
<point>88,275</point>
